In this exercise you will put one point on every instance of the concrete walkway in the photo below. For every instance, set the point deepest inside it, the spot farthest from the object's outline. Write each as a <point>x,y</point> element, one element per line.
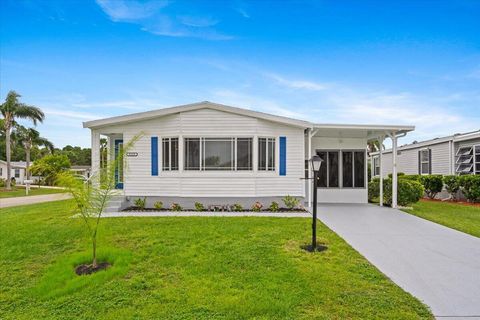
<point>205,214</point>
<point>438,265</point>
<point>20,201</point>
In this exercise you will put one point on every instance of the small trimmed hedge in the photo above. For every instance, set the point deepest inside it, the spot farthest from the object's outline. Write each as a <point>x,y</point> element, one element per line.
<point>409,191</point>
<point>433,184</point>
<point>452,185</point>
<point>470,186</point>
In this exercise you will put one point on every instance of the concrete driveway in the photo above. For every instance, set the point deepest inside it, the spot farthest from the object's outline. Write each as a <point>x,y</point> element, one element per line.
<point>20,201</point>
<point>438,265</point>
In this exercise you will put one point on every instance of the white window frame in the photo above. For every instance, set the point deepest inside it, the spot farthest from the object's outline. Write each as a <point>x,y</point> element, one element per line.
<point>267,153</point>
<point>169,139</point>
<point>15,175</point>
<point>475,162</point>
<point>376,165</point>
<point>233,140</point>
<point>422,162</point>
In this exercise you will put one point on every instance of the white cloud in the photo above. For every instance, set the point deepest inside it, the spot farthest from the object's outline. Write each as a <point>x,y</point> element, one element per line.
<point>297,84</point>
<point>71,114</point>
<point>151,18</point>
<point>234,98</point>
<point>200,22</point>
<point>120,10</point>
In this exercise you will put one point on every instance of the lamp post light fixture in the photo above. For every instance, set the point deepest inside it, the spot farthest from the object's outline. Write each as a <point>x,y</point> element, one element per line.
<point>316,163</point>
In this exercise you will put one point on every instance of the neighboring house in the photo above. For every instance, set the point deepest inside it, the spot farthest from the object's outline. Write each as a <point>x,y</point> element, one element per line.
<point>458,154</point>
<point>17,170</point>
<point>83,171</point>
<point>218,154</point>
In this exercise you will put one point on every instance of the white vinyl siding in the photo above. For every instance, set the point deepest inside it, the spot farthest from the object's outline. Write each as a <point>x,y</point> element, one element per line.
<point>408,160</point>
<point>211,123</point>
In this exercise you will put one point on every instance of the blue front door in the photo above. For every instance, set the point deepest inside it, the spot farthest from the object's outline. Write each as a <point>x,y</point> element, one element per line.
<point>119,163</point>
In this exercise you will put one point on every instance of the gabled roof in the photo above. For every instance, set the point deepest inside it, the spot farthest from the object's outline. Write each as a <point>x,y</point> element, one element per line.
<point>190,107</point>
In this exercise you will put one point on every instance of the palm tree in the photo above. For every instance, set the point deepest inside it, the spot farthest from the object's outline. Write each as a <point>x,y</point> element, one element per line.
<point>29,138</point>
<point>12,109</point>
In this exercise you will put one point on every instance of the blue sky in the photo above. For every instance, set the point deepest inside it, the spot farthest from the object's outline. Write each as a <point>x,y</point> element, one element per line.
<point>382,62</point>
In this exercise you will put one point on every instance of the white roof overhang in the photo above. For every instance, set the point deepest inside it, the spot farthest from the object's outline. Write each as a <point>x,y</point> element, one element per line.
<point>365,131</point>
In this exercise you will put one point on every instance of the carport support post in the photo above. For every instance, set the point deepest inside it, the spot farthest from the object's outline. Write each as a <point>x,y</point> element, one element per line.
<point>394,171</point>
<point>314,222</point>
<point>380,142</point>
<point>95,151</point>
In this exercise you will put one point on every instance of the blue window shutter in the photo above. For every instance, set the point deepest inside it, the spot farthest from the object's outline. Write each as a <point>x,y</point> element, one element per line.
<point>154,145</point>
<point>283,156</point>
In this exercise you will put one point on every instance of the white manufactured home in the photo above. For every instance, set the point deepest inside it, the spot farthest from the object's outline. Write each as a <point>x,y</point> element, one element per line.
<point>17,172</point>
<point>218,154</point>
<point>457,154</point>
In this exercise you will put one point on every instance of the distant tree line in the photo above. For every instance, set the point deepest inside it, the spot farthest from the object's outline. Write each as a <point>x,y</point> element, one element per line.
<point>19,143</point>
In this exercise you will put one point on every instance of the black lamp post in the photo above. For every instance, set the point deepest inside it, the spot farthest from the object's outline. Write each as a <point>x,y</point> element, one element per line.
<point>316,163</point>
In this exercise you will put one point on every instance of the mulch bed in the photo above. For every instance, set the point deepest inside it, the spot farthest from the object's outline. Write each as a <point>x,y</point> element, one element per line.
<point>470,204</point>
<point>85,269</point>
<point>281,210</point>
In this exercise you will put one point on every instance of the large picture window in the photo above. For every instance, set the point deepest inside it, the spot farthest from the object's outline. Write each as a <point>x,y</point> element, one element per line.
<point>266,154</point>
<point>169,154</point>
<point>218,154</point>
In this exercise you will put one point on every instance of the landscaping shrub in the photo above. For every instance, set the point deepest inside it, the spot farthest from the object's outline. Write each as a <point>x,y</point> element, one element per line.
<point>257,206</point>
<point>140,203</point>
<point>452,184</point>
<point>409,191</point>
<point>199,206</point>
<point>414,177</point>
<point>2,183</point>
<point>290,202</point>
<point>399,175</point>
<point>274,207</point>
<point>237,207</point>
<point>175,207</point>
<point>432,184</point>
<point>158,205</point>
<point>470,186</point>
<point>374,189</point>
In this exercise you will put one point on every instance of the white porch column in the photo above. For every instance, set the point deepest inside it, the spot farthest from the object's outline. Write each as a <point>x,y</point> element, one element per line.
<point>309,183</point>
<point>380,141</point>
<point>394,171</point>
<point>95,151</point>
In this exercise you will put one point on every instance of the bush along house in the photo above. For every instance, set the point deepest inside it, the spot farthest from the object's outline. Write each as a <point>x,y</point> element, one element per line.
<point>458,154</point>
<point>221,155</point>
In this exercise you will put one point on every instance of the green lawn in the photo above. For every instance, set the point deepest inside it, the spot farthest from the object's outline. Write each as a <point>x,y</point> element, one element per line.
<point>461,217</point>
<point>20,192</point>
<point>187,268</point>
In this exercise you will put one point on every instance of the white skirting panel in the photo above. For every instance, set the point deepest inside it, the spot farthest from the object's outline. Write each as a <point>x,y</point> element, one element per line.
<point>343,195</point>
